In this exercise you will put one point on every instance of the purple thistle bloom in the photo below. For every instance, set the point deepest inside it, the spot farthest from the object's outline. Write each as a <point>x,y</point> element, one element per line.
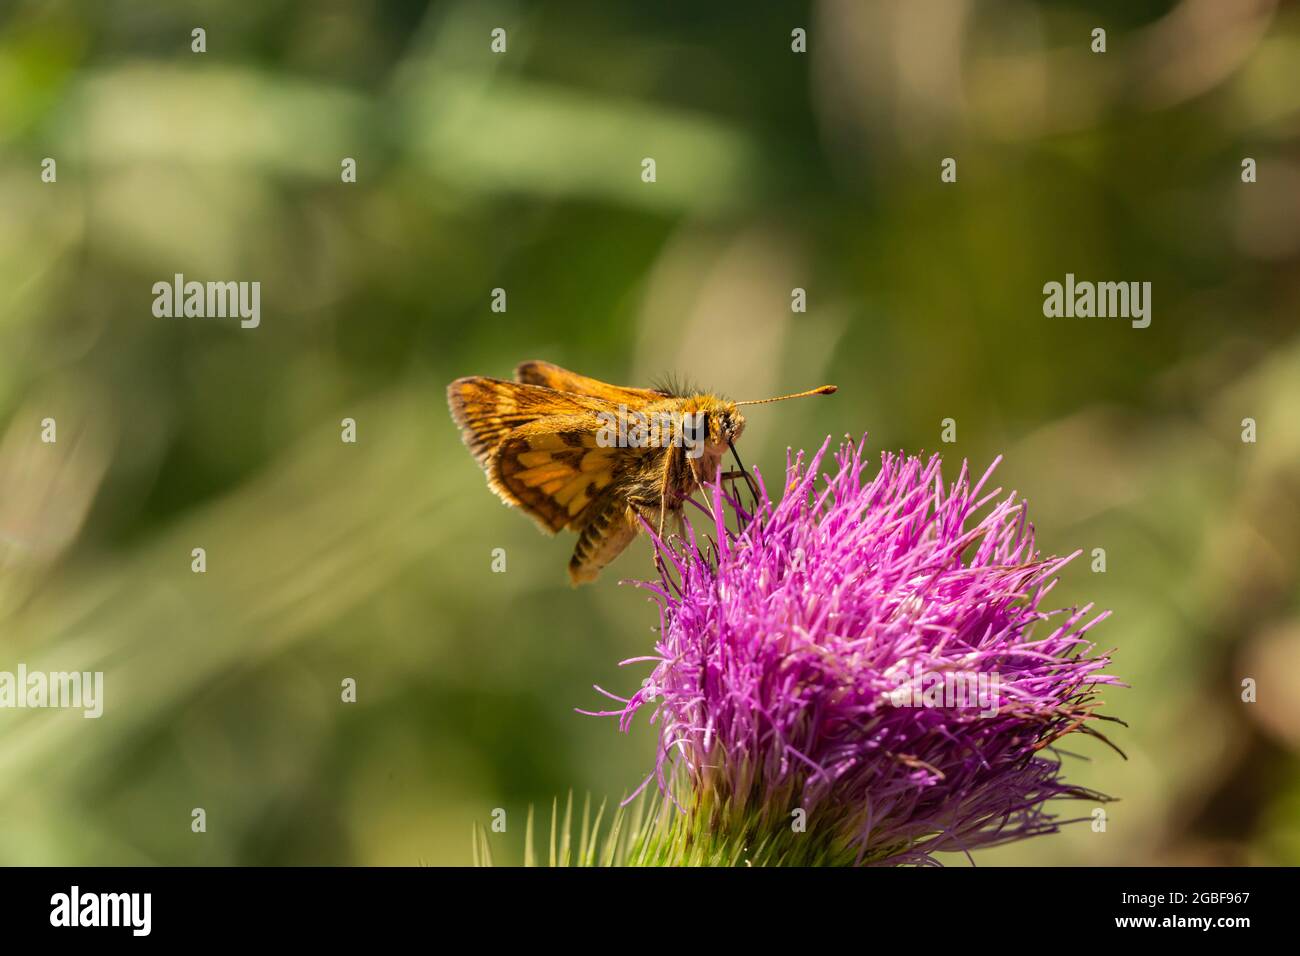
<point>862,651</point>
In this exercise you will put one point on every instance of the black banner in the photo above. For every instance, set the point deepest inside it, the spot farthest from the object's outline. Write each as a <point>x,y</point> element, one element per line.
<point>335,905</point>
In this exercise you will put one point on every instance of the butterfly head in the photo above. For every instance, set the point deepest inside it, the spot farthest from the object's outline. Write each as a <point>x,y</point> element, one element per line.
<point>723,424</point>
<point>711,425</point>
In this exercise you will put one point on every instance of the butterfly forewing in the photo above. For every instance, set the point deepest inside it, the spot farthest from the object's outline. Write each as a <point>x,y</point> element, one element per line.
<point>562,380</point>
<point>489,409</point>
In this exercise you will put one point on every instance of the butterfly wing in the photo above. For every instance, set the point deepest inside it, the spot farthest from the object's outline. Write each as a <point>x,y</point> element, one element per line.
<point>562,380</point>
<point>554,469</point>
<point>488,409</point>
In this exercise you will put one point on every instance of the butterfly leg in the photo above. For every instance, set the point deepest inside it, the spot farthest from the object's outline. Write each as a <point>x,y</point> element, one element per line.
<point>674,464</point>
<point>659,558</point>
<point>749,479</point>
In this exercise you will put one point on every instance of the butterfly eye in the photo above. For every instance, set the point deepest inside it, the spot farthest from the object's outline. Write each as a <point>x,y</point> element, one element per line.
<point>700,425</point>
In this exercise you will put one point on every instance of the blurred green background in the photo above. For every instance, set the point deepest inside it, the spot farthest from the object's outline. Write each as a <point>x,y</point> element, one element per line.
<point>522,171</point>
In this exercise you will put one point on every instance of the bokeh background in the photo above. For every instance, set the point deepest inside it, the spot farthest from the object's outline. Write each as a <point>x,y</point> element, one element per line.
<point>523,171</point>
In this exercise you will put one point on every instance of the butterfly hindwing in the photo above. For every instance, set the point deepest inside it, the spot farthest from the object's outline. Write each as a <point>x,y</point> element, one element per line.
<point>554,469</point>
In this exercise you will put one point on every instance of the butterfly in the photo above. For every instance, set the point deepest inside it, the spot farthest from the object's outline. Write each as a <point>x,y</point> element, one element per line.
<point>577,453</point>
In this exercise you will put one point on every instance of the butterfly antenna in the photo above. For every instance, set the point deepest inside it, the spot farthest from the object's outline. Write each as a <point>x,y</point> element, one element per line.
<point>823,390</point>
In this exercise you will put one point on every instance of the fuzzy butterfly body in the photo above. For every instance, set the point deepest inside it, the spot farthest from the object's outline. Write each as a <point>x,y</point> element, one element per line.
<point>546,443</point>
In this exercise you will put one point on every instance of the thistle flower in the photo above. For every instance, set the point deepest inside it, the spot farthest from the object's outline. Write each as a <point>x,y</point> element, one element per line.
<point>856,675</point>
